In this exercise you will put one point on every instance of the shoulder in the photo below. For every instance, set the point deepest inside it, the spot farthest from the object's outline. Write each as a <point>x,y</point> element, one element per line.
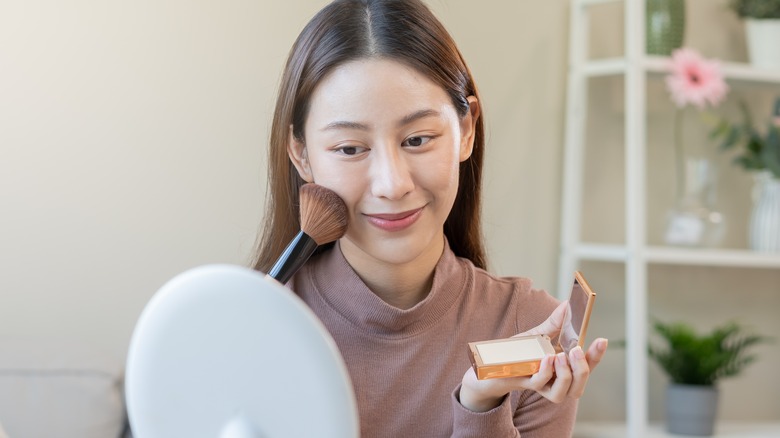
<point>510,294</point>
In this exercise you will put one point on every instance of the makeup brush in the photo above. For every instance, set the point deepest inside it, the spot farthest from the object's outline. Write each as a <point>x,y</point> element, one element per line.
<point>323,220</point>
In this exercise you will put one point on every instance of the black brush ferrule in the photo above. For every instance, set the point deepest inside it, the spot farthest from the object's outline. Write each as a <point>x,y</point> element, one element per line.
<point>294,256</point>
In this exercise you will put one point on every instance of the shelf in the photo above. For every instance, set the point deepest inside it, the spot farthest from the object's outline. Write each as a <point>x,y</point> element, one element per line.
<point>734,71</point>
<point>681,256</point>
<point>722,430</point>
<point>601,252</point>
<point>637,69</point>
<point>712,257</point>
<point>596,2</point>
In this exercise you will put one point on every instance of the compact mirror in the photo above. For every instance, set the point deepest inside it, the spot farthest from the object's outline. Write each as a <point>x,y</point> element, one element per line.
<point>577,316</point>
<point>522,355</point>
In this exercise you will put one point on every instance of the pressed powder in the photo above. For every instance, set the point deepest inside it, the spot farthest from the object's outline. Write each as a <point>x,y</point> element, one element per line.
<point>511,350</point>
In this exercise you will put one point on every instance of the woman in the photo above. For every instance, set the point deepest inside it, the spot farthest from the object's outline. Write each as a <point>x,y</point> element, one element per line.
<point>377,104</point>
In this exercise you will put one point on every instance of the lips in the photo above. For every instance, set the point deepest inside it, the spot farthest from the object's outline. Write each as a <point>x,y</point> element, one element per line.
<point>395,221</point>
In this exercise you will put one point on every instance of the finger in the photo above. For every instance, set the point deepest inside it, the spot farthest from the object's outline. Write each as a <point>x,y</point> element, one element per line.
<point>596,351</point>
<point>563,379</point>
<point>580,372</point>
<point>552,325</point>
<point>539,381</point>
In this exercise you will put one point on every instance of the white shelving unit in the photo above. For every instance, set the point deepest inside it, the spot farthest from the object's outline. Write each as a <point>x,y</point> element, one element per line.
<point>722,430</point>
<point>635,66</point>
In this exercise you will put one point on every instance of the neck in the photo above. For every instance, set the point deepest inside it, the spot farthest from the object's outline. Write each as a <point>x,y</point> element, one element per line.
<point>401,285</point>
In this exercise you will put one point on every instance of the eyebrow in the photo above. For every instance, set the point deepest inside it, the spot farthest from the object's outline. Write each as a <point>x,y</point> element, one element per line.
<point>417,115</point>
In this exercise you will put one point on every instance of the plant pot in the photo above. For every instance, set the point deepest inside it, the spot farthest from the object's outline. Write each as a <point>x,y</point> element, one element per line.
<point>691,409</point>
<point>665,26</point>
<point>762,38</point>
<point>765,217</point>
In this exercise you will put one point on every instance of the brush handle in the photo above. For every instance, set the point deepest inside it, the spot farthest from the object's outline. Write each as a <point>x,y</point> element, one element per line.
<point>294,256</point>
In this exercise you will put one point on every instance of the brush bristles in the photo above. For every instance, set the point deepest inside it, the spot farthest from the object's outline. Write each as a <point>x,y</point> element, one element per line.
<point>323,214</point>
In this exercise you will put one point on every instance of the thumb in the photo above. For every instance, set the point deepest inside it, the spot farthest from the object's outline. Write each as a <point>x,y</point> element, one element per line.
<point>551,326</point>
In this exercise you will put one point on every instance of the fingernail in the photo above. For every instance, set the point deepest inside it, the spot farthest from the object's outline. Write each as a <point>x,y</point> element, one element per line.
<point>603,345</point>
<point>561,359</point>
<point>577,353</point>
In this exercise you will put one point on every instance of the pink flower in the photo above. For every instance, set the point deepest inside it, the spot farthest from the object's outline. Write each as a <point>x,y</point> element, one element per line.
<point>695,80</point>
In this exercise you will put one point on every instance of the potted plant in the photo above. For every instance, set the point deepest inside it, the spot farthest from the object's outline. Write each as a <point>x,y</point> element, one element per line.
<point>759,153</point>
<point>762,30</point>
<point>695,363</point>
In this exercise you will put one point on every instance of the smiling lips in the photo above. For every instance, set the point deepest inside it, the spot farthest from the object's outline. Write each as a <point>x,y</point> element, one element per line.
<point>395,221</point>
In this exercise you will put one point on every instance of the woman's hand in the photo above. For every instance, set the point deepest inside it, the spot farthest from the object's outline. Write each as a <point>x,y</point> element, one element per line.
<point>558,377</point>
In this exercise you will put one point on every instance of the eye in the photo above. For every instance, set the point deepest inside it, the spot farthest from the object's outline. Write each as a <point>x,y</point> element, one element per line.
<point>416,141</point>
<point>350,150</point>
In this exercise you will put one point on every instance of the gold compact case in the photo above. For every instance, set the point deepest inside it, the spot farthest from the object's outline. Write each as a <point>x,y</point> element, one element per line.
<point>519,356</point>
<point>522,355</point>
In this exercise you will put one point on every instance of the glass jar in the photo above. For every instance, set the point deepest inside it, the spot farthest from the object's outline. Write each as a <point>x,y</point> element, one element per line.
<point>694,220</point>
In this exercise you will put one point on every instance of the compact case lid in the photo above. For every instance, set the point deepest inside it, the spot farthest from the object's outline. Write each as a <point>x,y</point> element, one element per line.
<point>222,351</point>
<point>575,325</point>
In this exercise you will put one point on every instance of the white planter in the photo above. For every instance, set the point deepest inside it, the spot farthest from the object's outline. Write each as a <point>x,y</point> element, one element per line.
<point>765,217</point>
<point>763,37</point>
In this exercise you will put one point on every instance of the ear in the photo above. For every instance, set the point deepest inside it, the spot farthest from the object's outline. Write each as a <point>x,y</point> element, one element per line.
<point>296,149</point>
<point>468,128</point>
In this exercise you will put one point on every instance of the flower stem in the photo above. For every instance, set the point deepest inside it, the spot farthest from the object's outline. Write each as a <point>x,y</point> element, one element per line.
<point>679,155</point>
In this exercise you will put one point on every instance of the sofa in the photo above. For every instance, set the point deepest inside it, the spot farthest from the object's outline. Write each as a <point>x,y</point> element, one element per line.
<point>59,389</point>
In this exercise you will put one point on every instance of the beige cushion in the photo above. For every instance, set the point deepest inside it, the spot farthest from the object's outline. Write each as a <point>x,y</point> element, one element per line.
<point>50,389</point>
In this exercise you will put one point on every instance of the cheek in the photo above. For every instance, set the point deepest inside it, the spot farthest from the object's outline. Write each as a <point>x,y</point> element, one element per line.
<point>449,185</point>
<point>441,172</point>
<point>345,181</point>
<point>441,177</point>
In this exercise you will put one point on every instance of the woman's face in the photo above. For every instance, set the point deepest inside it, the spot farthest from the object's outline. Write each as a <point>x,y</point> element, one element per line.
<point>388,141</point>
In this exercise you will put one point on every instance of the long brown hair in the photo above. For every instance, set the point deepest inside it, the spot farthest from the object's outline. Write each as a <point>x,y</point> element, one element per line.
<point>346,30</point>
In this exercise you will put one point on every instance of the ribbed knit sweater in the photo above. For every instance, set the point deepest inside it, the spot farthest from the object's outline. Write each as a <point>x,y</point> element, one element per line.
<point>406,365</point>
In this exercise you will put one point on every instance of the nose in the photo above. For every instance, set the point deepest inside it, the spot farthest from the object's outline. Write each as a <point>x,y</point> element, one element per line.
<point>391,175</point>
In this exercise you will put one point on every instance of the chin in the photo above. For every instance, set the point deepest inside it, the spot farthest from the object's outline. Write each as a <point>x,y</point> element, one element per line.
<point>397,250</point>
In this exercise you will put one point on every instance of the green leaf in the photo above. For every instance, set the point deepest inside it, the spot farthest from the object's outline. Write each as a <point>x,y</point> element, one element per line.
<point>756,151</point>
<point>690,358</point>
<point>770,155</point>
<point>731,138</point>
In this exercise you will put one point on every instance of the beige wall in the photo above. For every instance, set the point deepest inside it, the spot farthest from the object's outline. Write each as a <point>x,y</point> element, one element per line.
<point>132,148</point>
